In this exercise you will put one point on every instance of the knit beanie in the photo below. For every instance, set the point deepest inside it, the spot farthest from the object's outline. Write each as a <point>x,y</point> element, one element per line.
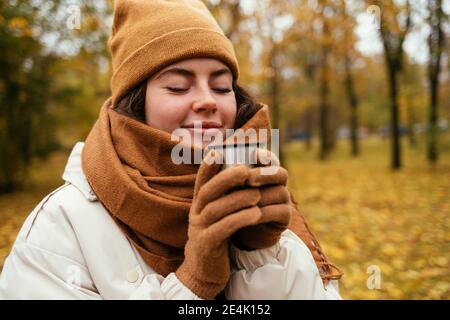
<point>149,35</point>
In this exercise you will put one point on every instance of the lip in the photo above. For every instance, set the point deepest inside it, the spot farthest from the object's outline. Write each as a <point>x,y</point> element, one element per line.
<point>203,125</point>
<point>204,130</point>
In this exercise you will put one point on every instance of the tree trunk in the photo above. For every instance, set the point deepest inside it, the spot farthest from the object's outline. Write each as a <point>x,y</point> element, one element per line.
<point>435,42</point>
<point>308,128</point>
<point>432,117</point>
<point>353,101</point>
<point>411,122</point>
<point>396,161</point>
<point>274,93</point>
<point>393,53</point>
<point>324,104</point>
<point>323,122</point>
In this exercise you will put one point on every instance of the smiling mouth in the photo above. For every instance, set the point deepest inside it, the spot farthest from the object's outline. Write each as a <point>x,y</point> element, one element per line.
<point>204,129</point>
<point>204,132</point>
<point>205,124</point>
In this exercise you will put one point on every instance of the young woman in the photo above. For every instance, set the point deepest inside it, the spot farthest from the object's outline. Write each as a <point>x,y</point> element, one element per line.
<point>129,223</point>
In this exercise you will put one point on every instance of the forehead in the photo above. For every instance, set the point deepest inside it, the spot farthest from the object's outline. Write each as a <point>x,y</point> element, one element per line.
<point>191,67</point>
<point>199,63</point>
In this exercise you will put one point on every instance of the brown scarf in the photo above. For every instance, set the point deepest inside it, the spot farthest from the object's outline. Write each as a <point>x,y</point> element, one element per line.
<point>128,165</point>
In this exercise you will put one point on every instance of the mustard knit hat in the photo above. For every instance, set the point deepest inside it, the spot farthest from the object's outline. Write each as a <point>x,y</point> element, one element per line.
<point>148,35</point>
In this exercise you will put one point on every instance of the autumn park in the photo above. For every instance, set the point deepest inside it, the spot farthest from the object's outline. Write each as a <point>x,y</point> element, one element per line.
<point>358,88</point>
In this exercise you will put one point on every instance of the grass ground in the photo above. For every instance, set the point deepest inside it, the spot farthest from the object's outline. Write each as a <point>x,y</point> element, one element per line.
<point>365,215</point>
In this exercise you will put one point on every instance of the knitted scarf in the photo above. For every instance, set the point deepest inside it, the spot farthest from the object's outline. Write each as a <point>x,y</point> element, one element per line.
<point>128,165</point>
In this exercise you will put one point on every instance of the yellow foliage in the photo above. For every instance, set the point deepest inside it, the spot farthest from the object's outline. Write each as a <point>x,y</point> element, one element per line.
<point>18,23</point>
<point>20,26</point>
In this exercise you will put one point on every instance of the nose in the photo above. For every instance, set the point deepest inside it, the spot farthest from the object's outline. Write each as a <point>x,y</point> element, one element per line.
<point>205,101</point>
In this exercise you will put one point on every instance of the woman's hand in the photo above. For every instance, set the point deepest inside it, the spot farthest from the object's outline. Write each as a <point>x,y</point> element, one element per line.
<point>274,204</point>
<point>216,213</point>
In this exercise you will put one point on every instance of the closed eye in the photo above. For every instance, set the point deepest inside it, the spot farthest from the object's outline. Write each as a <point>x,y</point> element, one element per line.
<point>180,90</point>
<point>177,89</point>
<point>225,90</point>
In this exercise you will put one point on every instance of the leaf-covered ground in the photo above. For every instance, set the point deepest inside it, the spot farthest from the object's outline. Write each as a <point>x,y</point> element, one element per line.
<point>364,215</point>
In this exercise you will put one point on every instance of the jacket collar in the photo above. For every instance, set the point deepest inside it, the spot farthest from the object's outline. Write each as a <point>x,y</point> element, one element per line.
<point>73,173</point>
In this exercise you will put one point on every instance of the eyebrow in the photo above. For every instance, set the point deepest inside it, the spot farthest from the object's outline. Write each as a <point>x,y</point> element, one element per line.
<point>191,74</point>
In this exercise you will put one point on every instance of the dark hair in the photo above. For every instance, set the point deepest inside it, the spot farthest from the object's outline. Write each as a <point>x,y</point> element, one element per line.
<point>133,104</point>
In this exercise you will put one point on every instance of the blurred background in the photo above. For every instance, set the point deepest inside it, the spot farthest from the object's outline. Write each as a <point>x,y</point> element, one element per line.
<point>359,90</point>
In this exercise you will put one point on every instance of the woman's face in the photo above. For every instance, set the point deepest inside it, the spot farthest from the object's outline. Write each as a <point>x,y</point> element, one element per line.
<point>194,90</point>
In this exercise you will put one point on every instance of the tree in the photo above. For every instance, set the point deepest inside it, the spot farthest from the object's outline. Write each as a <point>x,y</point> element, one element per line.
<point>273,59</point>
<point>302,52</point>
<point>393,33</point>
<point>32,97</point>
<point>324,81</point>
<point>349,55</point>
<point>22,93</point>
<point>411,101</point>
<point>435,46</point>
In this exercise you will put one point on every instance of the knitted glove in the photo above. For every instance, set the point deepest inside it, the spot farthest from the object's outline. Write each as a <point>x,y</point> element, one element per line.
<point>217,211</point>
<point>275,204</point>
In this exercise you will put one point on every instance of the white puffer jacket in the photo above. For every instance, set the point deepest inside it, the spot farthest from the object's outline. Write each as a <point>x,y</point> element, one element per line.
<point>70,248</point>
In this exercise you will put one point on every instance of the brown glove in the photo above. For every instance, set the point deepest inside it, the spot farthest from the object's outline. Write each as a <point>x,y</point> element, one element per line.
<point>274,203</point>
<point>215,214</point>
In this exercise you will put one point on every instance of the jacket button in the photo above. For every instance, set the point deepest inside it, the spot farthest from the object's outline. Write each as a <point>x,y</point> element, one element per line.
<point>132,275</point>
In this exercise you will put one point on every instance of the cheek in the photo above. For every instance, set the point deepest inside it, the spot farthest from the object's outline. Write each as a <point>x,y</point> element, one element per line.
<point>164,112</point>
<point>228,111</point>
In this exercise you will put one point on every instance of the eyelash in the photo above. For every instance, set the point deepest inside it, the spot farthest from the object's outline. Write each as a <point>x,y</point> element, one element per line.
<point>179,90</point>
